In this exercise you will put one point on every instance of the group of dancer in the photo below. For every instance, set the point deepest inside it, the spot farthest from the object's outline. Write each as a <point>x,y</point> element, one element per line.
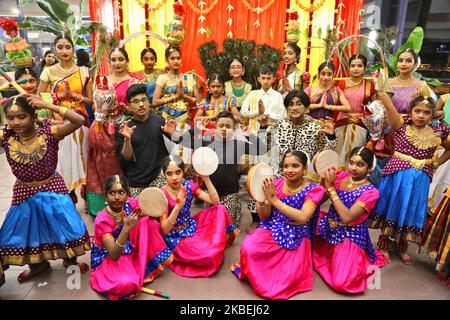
<point>146,126</point>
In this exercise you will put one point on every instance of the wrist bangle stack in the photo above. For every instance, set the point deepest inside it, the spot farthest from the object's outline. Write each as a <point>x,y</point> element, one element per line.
<point>168,219</point>
<point>119,244</point>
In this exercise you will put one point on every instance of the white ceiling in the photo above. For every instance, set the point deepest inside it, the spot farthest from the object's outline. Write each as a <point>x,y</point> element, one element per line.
<point>7,6</point>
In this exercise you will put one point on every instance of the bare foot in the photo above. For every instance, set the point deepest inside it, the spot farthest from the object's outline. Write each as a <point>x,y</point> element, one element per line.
<point>33,270</point>
<point>251,227</point>
<point>405,258</point>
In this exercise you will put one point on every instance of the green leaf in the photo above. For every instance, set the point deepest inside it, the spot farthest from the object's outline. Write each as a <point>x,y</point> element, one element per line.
<point>319,32</point>
<point>414,41</point>
<point>433,82</point>
<point>271,33</point>
<point>305,33</point>
<point>208,32</point>
<point>57,10</point>
<point>166,29</point>
<point>82,5</point>
<point>40,24</point>
<point>81,42</point>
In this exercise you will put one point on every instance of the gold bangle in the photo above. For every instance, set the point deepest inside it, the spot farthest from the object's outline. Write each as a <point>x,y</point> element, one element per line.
<point>81,100</point>
<point>333,194</point>
<point>62,111</point>
<point>260,206</point>
<point>119,244</point>
<point>168,219</point>
<point>334,198</point>
<point>331,189</point>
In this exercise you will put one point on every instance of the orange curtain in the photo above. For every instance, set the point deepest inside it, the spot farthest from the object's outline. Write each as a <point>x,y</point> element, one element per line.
<point>271,30</point>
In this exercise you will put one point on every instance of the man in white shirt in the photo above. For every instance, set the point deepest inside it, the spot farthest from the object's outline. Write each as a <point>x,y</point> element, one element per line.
<point>263,103</point>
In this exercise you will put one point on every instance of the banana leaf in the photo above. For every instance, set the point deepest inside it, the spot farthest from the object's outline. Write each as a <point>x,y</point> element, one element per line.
<point>41,24</point>
<point>57,10</point>
<point>414,41</point>
<point>433,82</point>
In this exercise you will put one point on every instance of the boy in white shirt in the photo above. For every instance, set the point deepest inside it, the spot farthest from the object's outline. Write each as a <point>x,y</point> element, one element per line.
<point>263,103</point>
<point>260,107</point>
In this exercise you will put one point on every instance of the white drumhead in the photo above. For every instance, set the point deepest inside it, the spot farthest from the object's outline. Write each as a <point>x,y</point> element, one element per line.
<point>255,178</point>
<point>324,160</point>
<point>205,161</point>
<point>153,202</point>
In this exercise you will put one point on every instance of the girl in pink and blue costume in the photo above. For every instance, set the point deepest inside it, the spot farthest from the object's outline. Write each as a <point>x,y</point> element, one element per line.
<point>343,253</point>
<point>42,223</point>
<point>198,243</point>
<point>402,208</point>
<point>276,258</point>
<point>128,249</point>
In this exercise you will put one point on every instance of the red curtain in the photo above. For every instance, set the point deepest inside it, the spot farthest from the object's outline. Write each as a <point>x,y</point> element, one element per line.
<point>270,32</point>
<point>351,14</point>
<point>99,10</point>
<point>350,11</point>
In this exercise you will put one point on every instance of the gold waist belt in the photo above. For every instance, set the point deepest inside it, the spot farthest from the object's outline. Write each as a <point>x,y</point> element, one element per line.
<point>415,163</point>
<point>333,223</point>
<point>36,184</point>
<point>181,226</point>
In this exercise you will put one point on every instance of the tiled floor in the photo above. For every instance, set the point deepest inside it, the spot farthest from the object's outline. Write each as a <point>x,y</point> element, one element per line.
<point>397,280</point>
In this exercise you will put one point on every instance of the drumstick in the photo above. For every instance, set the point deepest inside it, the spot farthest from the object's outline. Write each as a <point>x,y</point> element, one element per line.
<point>12,82</point>
<point>7,85</point>
<point>155,293</point>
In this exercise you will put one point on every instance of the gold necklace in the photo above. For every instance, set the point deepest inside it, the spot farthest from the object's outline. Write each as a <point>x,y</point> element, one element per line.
<point>294,191</point>
<point>353,84</point>
<point>117,216</point>
<point>23,139</point>
<point>353,183</point>
<point>403,83</point>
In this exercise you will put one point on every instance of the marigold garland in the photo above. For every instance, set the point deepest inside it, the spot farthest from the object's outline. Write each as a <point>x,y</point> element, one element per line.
<point>310,8</point>
<point>249,6</point>
<point>204,11</point>
<point>152,7</point>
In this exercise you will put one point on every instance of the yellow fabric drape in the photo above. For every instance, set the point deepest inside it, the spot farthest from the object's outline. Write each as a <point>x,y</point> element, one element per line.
<point>134,21</point>
<point>322,18</point>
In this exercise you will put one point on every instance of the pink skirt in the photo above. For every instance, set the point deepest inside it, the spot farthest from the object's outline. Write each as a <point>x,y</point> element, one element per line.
<point>345,267</point>
<point>202,254</point>
<point>275,272</point>
<point>121,278</point>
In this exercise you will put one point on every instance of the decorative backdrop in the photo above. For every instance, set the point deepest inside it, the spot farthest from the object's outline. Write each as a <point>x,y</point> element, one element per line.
<point>207,20</point>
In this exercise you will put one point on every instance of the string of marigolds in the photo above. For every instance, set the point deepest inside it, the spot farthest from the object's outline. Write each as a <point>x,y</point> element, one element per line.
<point>312,7</point>
<point>151,7</point>
<point>201,4</point>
